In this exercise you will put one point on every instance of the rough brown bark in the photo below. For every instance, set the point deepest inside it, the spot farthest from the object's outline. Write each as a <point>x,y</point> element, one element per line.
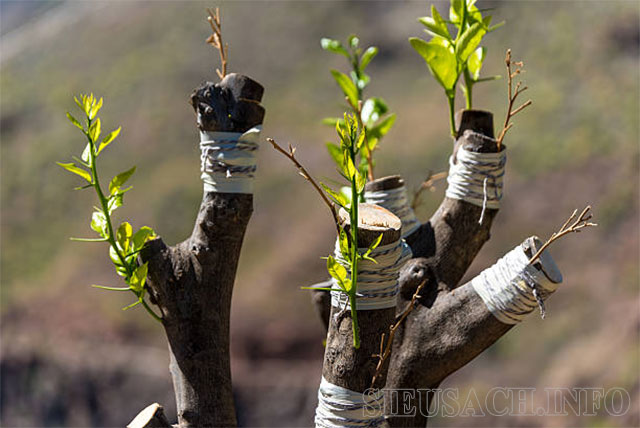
<point>449,326</point>
<point>345,365</point>
<point>192,282</point>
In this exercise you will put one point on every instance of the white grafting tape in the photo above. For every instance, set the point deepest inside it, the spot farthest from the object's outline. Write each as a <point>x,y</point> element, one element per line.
<point>507,287</point>
<point>396,201</point>
<point>377,282</point>
<point>341,407</point>
<point>228,160</point>
<point>477,178</point>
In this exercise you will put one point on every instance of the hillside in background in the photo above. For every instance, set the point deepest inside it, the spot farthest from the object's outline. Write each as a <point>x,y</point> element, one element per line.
<point>71,357</point>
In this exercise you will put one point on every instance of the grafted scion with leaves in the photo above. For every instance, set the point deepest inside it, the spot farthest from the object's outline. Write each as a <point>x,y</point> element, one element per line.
<point>352,137</point>
<point>124,244</point>
<point>373,113</point>
<point>449,57</point>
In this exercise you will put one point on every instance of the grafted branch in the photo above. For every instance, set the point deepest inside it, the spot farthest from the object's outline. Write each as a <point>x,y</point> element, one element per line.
<point>215,40</point>
<point>512,94</point>
<point>192,282</point>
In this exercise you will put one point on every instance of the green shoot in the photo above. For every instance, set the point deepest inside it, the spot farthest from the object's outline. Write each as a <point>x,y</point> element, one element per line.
<point>449,57</point>
<point>124,245</point>
<point>352,137</point>
<point>373,113</point>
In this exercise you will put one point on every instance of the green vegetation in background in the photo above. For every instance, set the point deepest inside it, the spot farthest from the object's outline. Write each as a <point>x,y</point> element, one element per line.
<point>124,244</point>
<point>449,57</point>
<point>372,114</point>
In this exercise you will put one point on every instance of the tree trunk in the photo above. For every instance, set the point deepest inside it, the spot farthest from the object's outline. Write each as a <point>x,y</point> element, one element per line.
<point>192,282</point>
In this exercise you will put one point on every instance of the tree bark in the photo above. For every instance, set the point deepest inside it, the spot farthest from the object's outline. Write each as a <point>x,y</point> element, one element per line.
<point>445,319</point>
<point>192,282</point>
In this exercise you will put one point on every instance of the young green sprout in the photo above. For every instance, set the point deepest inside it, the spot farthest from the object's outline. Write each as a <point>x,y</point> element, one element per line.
<point>124,245</point>
<point>372,113</point>
<point>449,57</point>
<point>352,137</point>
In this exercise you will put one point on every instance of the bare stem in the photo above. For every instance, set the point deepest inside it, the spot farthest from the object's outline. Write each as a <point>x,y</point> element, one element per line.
<point>215,40</point>
<point>385,346</point>
<point>305,174</point>
<point>427,184</point>
<point>512,95</point>
<point>579,223</point>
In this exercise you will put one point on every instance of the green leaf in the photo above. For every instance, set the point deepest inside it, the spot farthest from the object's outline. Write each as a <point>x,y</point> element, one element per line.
<point>382,128</point>
<point>338,198</point>
<point>115,202</point>
<point>474,63</point>
<point>108,139</point>
<point>139,277</point>
<point>495,27</point>
<point>455,11</point>
<point>137,302</point>
<point>111,288</point>
<point>372,109</point>
<point>361,138</point>
<point>71,167</point>
<point>435,24</point>
<point>95,108</point>
<point>336,270</point>
<point>99,223</point>
<point>94,130</point>
<point>117,181</point>
<point>333,46</point>
<point>79,102</point>
<point>349,169</point>
<point>86,153</point>
<point>487,79</point>
<point>343,241</point>
<point>441,62</point>
<point>142,236</point>
<point>74,121</point>
<point>336,153</point>
<point>372,247</point>
<point>332,121</point>
<point>123,236</point>
<point>353,41</point>
<point>367,56</point>
<point>347,86</point>
<point>361,180</point>
<point>469,41</point>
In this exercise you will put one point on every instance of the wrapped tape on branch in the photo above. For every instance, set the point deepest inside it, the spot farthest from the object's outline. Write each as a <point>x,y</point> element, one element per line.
<point>396,201</point>
<point>228,160</point>
<point>341,407</point>
<point>377,282</point>
<point>513,288</point>
<point>476,178</point>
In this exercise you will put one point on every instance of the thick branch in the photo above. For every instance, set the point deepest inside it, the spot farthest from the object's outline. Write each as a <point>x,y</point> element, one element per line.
<point>192,282</point>
<point>454,330</point>
<point>451,239</point>
<point>345,365</point>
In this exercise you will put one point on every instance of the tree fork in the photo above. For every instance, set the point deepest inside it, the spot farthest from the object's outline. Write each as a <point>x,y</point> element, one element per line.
<point>192,282</point>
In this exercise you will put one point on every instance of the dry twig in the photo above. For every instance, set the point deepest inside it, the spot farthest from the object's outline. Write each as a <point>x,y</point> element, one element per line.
<point>215,40</point>
<point>579,222</point>
<point>385,348</point>
<point>427,184</point>
<point>513,94</point>
<point>303,172</point>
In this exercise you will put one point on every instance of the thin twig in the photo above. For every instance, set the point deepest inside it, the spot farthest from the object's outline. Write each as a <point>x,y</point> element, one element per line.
<point>427,184</point>
<point>303,172</point>
<point>385,348</point>
<point>512,94</point>
<point>215,40</point>
<point>579,222</point>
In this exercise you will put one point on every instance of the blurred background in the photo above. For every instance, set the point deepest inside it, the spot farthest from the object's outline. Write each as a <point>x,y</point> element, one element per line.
<point>71,357</point>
